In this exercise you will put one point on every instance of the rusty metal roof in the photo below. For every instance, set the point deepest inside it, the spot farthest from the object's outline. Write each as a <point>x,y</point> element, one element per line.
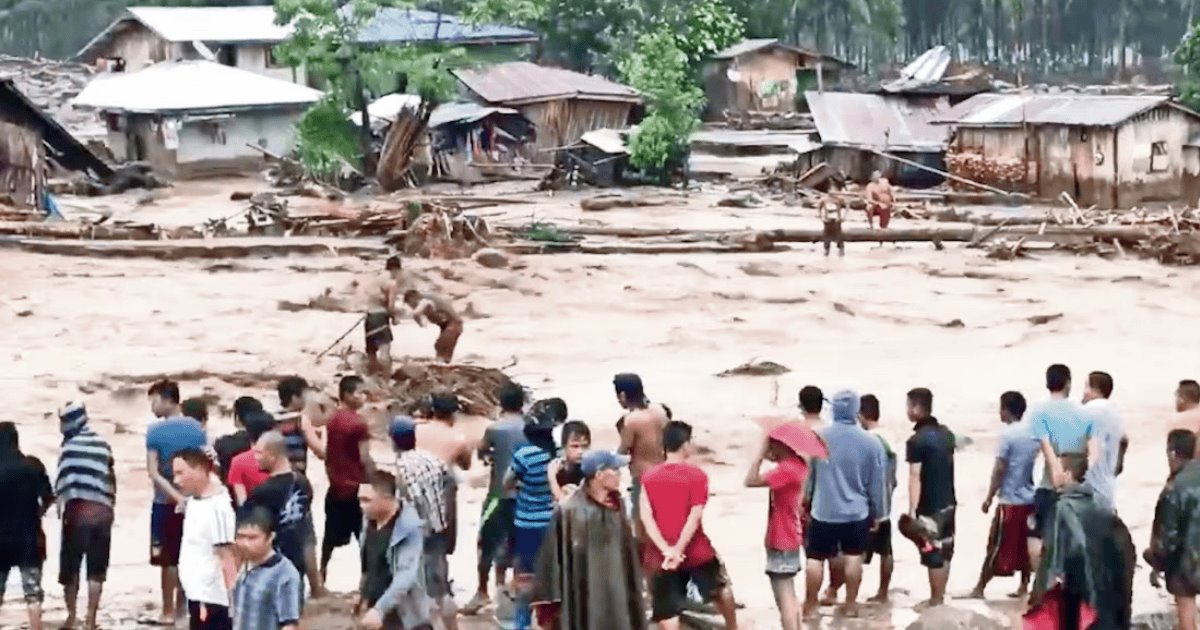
<point>747,46</point>
<point>521,82</point>
<point>872,121</point>
<point>1086,110</point>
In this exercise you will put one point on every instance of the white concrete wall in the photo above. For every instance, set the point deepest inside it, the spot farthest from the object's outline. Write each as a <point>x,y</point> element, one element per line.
<point>1134,140</point>
<point>222,142</point>
<point>257,58</point>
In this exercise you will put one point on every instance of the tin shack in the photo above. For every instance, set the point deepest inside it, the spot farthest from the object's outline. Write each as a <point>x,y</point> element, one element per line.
<point>765,75</point>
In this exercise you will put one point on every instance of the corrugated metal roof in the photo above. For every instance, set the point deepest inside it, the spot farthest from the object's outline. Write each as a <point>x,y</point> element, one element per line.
<point>465,113</point>
<point>754,45</point>
<point>1006,110</point>
<point>872,121</point>
<point>394,25</point>
<point>607,140</point>
<point>926,69</point>
<point>213,24</point>
<point>190,87</point>
<point>521,82</point>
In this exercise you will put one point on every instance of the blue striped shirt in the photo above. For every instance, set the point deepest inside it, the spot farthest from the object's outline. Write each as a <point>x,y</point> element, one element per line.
<point>268,596</point>
<point>535,501</point>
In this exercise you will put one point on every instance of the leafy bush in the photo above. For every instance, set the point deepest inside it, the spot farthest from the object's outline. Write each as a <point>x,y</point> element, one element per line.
<point>659,70</point>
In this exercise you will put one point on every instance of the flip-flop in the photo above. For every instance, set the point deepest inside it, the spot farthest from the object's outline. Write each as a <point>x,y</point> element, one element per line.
<point>155,621</point>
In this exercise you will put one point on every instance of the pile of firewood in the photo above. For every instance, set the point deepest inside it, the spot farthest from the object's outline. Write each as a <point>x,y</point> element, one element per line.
<point>1000,172</point>
<point>477,387</point>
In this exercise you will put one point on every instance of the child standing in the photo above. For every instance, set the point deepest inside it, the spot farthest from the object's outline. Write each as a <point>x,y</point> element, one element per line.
<point>564,472</point>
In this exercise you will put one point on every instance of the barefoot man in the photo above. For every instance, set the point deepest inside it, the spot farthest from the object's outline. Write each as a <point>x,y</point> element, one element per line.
<point>381,314</point>
<point>880,199</point>
<point>436,309</point>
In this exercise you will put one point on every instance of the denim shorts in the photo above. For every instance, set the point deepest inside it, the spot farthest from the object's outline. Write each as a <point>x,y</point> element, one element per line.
<point>784,564</point>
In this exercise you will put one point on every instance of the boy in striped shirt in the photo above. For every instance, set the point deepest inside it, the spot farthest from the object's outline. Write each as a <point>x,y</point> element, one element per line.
<point>534,508</point>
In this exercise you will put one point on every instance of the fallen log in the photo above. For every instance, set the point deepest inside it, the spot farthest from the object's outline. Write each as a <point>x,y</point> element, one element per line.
<point>648,248</point>
<point>214,248</point>
<point>922,234</point>
<point>78,231</point>
<point>603,202</point>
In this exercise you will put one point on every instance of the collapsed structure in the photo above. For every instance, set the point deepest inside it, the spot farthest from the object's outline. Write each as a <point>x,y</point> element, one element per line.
<point>197,118</point>
<point>1103,151</point>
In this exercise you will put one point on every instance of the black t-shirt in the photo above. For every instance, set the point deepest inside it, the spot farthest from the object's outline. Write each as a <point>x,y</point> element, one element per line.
<point>288,497</point>
<point>377,571</point>
<point>25,493</point>
<point>227,447</point>
<point>932,446</point>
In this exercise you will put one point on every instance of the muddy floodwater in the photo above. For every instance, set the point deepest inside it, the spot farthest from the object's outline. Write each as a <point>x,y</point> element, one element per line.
<point>881,321</point>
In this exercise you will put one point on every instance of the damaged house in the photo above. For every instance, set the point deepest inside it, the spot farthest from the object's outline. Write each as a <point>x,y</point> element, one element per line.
<point>857,130</point>
<point>32,145</point>
<point>1104,151</point>
<point>197,118</point>
<point>765,75</point>
<point>563,105</point>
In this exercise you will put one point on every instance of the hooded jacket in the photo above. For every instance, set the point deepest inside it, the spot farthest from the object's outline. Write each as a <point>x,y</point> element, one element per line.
<point>86,465</point>
<point>406,595</point>
<point>850,484</point>
<point>1175,542</point>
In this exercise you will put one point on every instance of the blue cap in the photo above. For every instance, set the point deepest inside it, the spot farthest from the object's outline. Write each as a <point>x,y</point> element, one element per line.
<point>595,461</point>
<point>402,426</point>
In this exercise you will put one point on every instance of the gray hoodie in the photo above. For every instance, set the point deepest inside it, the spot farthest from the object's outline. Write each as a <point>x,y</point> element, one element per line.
<point>406,595</point>
<point>850,483</point>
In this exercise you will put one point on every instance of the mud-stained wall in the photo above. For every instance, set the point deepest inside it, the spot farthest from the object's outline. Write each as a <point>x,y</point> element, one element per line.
<point>756,70</point>
<point>217,145</point>
<point>1078,161</point>
<point>1150,156</point>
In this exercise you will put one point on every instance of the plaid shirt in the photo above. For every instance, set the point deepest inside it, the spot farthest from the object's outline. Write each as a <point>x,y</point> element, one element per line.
<point>426,484</point>
<point>268,596</point>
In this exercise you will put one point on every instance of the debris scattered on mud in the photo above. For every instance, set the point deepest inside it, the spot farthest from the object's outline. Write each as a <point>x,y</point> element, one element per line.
<point>1039,320</point>
<point>757,368</point>
<point>954,323</point>
<point>476,387</point>
<point>842,308</point>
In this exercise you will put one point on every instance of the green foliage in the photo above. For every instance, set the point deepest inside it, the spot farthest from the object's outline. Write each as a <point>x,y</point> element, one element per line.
<point>706,27</point>
<point>325,139</point>
<point>544,233</point>
<point>659,70</point>
<point>1187,55</point>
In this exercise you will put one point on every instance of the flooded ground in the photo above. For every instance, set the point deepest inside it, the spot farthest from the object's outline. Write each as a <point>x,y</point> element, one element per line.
<point>882,320</point>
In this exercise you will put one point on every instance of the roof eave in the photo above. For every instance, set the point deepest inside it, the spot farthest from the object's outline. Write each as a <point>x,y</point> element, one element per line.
<point>178,111</point>
<point>84,54</point>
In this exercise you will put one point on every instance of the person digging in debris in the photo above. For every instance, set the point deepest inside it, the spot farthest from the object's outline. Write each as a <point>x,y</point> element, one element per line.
<point>880,199</point>
<point>381,314</point>
<point>832,210</point>
<point>436,309</point>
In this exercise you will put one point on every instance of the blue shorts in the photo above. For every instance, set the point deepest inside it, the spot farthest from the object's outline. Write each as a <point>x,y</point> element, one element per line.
<point>166,535</point>
<point>526,544</point>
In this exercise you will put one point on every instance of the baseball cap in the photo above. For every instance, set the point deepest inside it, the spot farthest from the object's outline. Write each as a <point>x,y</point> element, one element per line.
<point>401,427</point>
<point>595,461</point>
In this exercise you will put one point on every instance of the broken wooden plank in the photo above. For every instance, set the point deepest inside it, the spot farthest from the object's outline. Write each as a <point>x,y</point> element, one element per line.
<point>215,248</point>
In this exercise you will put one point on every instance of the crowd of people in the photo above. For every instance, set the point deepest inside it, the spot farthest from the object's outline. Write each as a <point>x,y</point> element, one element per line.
<point>232,527</point>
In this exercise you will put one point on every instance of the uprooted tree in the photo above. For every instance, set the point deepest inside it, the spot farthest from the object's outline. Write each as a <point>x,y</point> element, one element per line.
<point>325,43</point>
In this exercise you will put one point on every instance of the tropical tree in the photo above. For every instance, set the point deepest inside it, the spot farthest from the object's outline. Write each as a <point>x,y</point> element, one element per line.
<point>660,71</point>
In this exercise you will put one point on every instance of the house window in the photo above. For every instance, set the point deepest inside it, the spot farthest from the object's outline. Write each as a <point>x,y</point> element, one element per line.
<point>1158,157</point>
<point>272,62</point>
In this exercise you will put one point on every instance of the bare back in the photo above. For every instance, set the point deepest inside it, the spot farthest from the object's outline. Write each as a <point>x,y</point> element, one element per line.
<point>377,292</point>
<point>445,442</point>
<point>642,438</point>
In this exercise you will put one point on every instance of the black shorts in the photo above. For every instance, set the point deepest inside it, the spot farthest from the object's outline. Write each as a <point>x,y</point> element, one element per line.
<point>208,617</point>
<point>943,551</point>
<point>879,542</point>
<point>1045,501</point>
<point>378,330</point>
<point>495,533</point>
<point>668,589</point>
<point>78,541</point>
<point>825,541</point>
<point>343,519</point>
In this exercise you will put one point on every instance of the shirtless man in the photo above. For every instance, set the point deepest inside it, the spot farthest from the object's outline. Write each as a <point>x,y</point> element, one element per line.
<point>440,437</point>
<point>436,309</point>
<point>880,199</point>
<point>1187,406</point>
<point>381,314</point>
<point>641,431</point>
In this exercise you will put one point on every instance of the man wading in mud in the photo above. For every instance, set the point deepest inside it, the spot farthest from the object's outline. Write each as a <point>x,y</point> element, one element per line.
<point>381,314</point>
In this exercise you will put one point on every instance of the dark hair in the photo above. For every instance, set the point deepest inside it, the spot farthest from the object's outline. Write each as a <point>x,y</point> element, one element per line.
<point>443,404</point>
<point>392,264</point>
<point>575,428</point>
<point>290,387</point>
<point>9,437</point>
<point>257,422</point>
<point>631,386</point>
<point>257,517</point>
<point>922,398</point>
<point>675,435</point>
<point>244,405</point>
<point>1189,390</point>
<point>1182,444</point>
<point>195,408</point>
<point>411,293</point>
<point>1076,465</point>
<point>1014,403</point>
<point>1058,377</point>
<point>1101,382</point>
<point>195,458</point>
<point>868,406</point>
<point>166,389</point>
<point>348,385</point>
<point>555,408</point>
<point>512,397</point>
<point>811,399</point>
<point>383,482</point>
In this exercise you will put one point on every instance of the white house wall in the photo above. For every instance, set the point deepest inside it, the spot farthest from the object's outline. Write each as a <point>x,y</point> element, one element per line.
<point>218,145</point>
<point>1134,141</point>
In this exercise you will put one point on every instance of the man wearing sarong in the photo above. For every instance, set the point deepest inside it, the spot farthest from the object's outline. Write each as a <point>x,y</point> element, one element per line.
<point>1012,482</point>
<point>436,309</point>
<point>381,314</point>
<point>879,200</point>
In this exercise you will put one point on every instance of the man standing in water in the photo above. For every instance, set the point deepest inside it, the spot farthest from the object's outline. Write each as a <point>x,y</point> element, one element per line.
<point>438,311</point>
<point>832,210</point>
<point>381,314</point>
<point>641,432</point>
<point>1109,433</point>
<point>880,199</point>
<point>930,455</point>
<point>173,433</point>
<point>1012,481</point>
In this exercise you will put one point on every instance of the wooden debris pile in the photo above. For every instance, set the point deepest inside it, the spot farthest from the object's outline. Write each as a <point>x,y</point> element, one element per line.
<point>772,120</point>
<point>756,368</point>
<point>476,387</point>
<point>1007,173</point>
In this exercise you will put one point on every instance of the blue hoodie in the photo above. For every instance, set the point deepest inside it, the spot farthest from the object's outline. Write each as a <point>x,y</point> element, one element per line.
<point>850,482</point>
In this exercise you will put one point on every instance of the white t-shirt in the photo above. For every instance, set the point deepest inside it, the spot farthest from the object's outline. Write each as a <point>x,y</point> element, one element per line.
<point>207,523</point>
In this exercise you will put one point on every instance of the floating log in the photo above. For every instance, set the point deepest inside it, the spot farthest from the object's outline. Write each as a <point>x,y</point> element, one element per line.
<point>215,248</point>
<point>606,202</point>
<point>78,231</point>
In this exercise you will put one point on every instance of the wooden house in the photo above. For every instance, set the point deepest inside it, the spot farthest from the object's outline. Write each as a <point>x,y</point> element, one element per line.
<point>765,75</point>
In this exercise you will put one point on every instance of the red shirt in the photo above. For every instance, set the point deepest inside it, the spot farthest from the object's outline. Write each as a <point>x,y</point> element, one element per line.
<point>786,481</point>
<point>673,489</point>
<point>244,471</point>
<point>345,431</point>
